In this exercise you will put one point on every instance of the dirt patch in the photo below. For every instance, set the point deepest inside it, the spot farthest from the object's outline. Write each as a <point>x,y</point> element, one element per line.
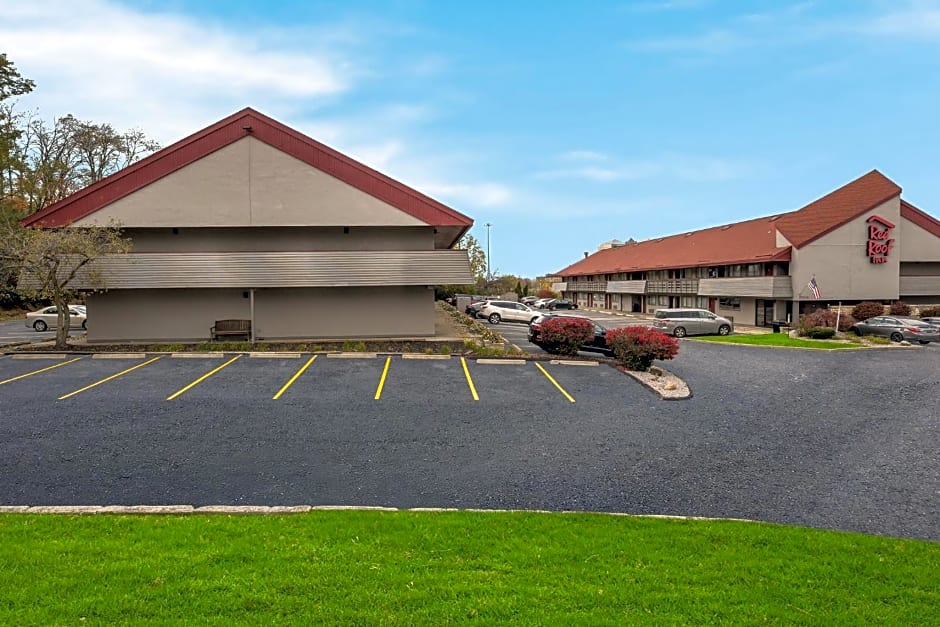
<point>668,386</point>
<point>446,326</point>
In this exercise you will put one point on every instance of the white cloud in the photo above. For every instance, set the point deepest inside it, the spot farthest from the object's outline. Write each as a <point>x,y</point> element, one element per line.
<point>669,166</point>
<point>916,19</point>
<point>168,74</point>
<point>582,155</point>
<point>472,195</point>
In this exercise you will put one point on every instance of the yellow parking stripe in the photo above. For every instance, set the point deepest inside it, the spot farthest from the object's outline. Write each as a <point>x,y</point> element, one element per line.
<point>378,391</point>
<point>29,374</point>
<point>113,376</point>
<point>201,379</point>
<point>290,381</point>
<point>560,389</point>
<point>473,389</point>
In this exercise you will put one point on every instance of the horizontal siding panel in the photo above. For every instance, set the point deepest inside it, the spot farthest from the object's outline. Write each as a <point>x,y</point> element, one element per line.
<point>559,287</point>
<point>919,286</point>
<point>279,269</point>
<point>626,287</point>
<point>752,287</point>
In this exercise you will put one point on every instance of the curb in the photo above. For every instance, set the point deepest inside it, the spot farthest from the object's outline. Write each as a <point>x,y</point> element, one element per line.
<point>303,509</point>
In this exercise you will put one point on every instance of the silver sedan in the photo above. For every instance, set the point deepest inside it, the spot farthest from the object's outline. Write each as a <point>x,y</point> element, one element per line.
<point>48,318</point>
<point>898,329</point>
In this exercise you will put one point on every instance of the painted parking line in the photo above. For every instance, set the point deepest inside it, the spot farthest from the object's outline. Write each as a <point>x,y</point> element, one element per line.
<point>201,379</point>
<point>29,374</point>
<point>290,381</point>
<point>106,379</point>
<point>466,371</point>
<point>378,390</point>
<point>555,383</point>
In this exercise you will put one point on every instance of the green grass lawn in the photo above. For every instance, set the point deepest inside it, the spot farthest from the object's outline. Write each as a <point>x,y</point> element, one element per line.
<point>405,568</point>
<point>775,339</point>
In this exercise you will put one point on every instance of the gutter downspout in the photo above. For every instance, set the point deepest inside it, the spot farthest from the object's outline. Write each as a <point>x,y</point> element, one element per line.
<point>251,314</point>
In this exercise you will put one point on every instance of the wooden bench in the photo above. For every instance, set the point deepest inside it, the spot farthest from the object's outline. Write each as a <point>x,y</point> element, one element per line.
<point>225,328</point>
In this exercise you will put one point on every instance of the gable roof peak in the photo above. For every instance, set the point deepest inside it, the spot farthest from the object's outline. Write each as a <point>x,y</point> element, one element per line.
<point>836,208</point>
<point>268,130</point>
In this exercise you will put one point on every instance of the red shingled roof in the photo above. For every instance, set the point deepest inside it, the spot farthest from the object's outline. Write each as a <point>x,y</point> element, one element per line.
<point>921,219</point>
<point>227,131</point>
<point>752,241</point>
<point>837,208</point>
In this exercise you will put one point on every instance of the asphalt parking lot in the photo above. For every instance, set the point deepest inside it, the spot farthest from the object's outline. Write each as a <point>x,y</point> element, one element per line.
<point>825,439</point>
<point>517,333</point>
<point>16,331</point>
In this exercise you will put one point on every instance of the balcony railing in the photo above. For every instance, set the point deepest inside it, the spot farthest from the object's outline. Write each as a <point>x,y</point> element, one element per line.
<point>672,286</point>
<point>769,287</point>
<point>587,286</point>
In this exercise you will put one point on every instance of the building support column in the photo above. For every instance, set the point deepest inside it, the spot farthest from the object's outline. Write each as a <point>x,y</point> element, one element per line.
<point>251,314</point>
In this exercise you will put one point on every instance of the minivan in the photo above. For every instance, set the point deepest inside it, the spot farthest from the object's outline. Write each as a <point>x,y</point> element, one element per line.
<point>682,322</point>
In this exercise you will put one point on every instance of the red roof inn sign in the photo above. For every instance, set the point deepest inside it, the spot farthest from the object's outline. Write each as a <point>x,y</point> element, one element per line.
<point>879,242</point>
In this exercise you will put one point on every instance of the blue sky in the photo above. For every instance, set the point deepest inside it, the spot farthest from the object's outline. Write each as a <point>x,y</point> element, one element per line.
<point>563,124</point>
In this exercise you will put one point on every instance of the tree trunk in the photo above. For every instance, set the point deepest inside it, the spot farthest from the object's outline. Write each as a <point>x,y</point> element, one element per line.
<point>62,328</point>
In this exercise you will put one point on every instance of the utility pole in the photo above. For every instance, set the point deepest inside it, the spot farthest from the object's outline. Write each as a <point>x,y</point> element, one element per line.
<point>488,276</point>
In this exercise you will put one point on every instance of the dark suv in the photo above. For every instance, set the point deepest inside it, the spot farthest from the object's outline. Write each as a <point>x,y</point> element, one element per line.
<point>597,345</point>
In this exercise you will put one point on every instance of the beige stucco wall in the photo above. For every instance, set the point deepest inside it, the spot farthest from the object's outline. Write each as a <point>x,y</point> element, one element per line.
<point>841,266</point>
<point>406,311</point>
<point>745,315</point>
<point>282,239</point>
<point>249,183</point>
<point>917,244</point>
<point>185,315</point>
<point>163,315</point>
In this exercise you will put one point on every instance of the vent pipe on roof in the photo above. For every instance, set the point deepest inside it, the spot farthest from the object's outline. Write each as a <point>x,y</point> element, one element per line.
<point>585,254</point>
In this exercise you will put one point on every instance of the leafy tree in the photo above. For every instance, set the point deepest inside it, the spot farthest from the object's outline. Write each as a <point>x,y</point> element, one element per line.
<point>476,255</point>
<point>58,160</point>
<point>519,289</point>
<point>48,261</point>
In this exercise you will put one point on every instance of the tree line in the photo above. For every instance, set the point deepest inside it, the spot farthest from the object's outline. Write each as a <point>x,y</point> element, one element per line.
<point>42,163</point>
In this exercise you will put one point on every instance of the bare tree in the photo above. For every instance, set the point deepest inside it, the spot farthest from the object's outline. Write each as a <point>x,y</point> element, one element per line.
<point>48,261</point>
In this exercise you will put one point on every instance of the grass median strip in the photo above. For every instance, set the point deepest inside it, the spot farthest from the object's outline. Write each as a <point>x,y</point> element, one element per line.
<point>290,381</point>
<point>466,371</point>
<point>47,368</point>
<point>355,567</point>
<point>106,379</point>
<point>378,390</point>
<point>201,379</point>
<point>555,383</point>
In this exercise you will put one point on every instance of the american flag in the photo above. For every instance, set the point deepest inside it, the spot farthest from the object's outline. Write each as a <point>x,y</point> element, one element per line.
<point>814,287</point>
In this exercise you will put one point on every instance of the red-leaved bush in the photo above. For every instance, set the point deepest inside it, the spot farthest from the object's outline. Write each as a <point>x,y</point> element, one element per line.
<point>566,335</point>
<point>867,309</point>
<point>824,318</point>
<point>899,308</point>
<point>636,347</point>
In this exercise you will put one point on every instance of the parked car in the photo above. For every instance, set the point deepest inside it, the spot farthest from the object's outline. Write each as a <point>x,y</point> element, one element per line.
<point>562,303</point>
<point>498,310</point>
<point>473,309</point>
<point>597,345</point>
<point>48,318</point>
<point>528,300</point>
<point>542,303</point>
<point>682,322</point>
<point>932,320</point>
<point>897,329</point>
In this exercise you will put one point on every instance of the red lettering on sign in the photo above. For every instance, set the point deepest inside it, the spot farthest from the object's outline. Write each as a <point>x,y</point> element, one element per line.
<point>879,242</point>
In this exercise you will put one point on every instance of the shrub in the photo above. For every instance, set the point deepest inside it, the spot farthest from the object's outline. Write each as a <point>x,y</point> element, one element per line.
<point>867,309</point>
<point>824,318</point>
<point>899,308</point>
<point>567,335</point>
<point>820,333</point>
<point>929,311</point>
<point>636,347</point>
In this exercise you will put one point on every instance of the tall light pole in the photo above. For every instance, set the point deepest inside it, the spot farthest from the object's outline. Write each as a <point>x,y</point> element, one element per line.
<point>487,225</point>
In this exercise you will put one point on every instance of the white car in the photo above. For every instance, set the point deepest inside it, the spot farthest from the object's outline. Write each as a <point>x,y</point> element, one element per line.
<point>498,310</point>
<point>48,318</point>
